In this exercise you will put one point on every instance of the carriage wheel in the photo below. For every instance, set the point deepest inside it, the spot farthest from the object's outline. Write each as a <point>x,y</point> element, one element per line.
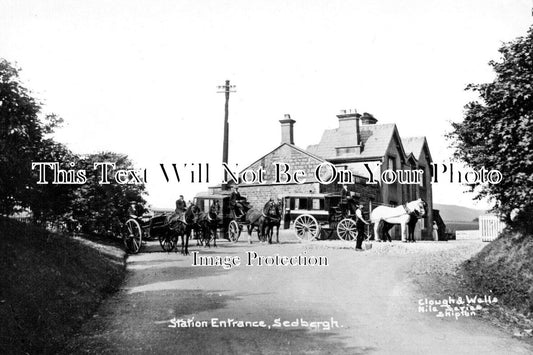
<point>132,236</point>
<point>234,231</point>
<point>306,227</point>
<point>347,230</point>
<point>166,241</point>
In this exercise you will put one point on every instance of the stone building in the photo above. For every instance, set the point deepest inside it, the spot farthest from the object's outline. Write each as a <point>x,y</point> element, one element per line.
<point>369,149</point>
<point>298,159</point>
<point>364,148</point>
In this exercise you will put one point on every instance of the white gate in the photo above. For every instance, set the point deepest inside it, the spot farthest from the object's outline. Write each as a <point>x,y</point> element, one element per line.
<point>490,227</point>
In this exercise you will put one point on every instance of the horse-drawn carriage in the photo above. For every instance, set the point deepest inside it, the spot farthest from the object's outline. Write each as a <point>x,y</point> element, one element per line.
<point>219,204</point>
<point>209,216</point>
<point>230,225</point>
<point>145,227</point>
<point>318,216</point>
<point>313,215</point>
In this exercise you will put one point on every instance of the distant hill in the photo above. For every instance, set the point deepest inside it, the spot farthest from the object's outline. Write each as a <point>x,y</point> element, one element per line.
<point>457,213</point>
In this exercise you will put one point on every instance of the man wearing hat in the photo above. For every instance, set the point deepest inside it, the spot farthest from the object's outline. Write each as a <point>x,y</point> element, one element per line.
<point>181,206</point>
<point>133,211</point>
<point>235,202</point>
<point>360,225</point>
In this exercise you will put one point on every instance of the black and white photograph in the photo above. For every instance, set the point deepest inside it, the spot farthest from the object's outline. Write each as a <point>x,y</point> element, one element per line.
<point>266,177</point>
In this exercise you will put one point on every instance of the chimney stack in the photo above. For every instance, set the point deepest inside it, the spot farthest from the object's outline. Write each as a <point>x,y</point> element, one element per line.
<point>368,118</point>
<point>287,129</point>
<point>349,120</point>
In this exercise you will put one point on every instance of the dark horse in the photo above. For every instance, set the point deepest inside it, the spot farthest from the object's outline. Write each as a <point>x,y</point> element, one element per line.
<point>180,229</point>
<point>255,219</point>
<point>411,228</point>
<point>184,229</point>
<point>208,225</point>
<point>271,219</point>
<point>411,224</point>
<point>193,217</point>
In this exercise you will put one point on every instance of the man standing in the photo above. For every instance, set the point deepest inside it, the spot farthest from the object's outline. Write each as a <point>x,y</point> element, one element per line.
<point>360,224</point>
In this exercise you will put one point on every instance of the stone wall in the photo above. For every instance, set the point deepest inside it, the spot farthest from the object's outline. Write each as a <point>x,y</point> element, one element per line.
<point>258,195</point>
<point>363,191</point>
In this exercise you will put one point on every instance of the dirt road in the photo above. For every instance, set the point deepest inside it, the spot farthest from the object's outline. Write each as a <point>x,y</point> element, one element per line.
<point>365,302</point>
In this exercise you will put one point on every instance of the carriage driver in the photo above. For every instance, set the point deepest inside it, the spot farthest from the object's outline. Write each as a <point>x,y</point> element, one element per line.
<point>360,225</point>
<point>347,203</point>
<point>181,206</point>
<point>237,202</point>
<point>133,211</point>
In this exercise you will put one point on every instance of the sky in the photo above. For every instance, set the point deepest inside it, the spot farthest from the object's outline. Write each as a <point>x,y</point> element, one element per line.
<point>141,77</point>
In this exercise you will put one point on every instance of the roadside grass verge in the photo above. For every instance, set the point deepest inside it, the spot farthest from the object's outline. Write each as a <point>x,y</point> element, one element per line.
<point>502,268</point>
<point>49,285</point>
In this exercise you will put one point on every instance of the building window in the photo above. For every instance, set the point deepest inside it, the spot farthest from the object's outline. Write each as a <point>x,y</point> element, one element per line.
<point>345,151</point>
<point>391,163</point>
<point>423,180</point>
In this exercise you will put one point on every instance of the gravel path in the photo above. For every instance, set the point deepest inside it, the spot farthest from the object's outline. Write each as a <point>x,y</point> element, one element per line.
<point>369,300</point>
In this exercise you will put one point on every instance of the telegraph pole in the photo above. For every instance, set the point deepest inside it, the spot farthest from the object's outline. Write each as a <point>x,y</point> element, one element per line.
<point>226,89</point>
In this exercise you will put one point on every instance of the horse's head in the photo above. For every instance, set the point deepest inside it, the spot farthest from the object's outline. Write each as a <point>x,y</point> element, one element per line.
<point>192,213</point>
<point>273,210</point>
<point>419,207</point>
<point>212,215</point>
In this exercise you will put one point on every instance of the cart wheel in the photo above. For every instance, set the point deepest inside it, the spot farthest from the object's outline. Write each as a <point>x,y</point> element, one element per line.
<point>234,231</point>
<point>132,236</point>
<point>346,230</point>
<point>306,227</point>
<point>167,242</point>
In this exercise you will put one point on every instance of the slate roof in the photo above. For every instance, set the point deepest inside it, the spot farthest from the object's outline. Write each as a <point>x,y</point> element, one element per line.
<point>359,169</point>
<point>413,145</point>
<point>375,139</point>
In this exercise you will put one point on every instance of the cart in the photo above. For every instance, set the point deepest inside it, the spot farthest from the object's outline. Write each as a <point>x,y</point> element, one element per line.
<point>224,216</point>
<point>137,229</point>
<point>317,216</point>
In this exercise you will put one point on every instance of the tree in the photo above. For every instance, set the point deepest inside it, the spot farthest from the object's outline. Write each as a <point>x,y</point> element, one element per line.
<point>497,132</point>
<point>22,139</point>
<point>52,202</point>
<point>102,208</point>
<point>25,138</point>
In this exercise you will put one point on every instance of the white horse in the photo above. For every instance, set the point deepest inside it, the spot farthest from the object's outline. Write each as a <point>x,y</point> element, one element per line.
<point>397,215</point>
